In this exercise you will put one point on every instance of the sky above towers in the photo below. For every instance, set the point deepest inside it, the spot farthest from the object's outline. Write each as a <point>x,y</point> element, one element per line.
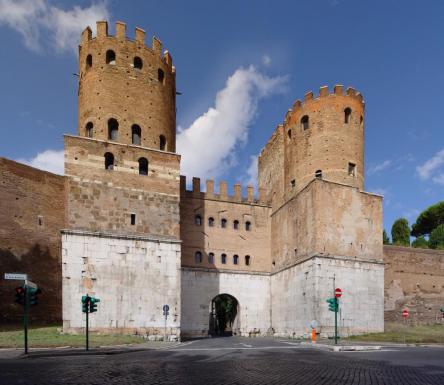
<point>240,66</point>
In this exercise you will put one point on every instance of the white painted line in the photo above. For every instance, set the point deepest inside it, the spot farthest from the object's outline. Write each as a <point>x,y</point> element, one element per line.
<point>246,345</point>
<point>178,345</point>
<point>235,348</point>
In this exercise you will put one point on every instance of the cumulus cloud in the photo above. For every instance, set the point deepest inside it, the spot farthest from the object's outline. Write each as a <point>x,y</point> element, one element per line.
<point>251,178</point>
<point>433,166</point>
<point>34,18</point>
<point>373,169</point>
<point>49,160</point>
<point>208,146</point>
<point>266,60</point>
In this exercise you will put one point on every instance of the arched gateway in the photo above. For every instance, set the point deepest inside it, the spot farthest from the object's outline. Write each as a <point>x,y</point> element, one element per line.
<point>224,316</point>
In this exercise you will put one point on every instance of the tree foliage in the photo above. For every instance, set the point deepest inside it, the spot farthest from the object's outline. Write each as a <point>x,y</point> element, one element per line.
<point>401,232</point>
<point>385,238</point>
<point>429,220</point>
<point>421,243</point>
<point>436,239</point>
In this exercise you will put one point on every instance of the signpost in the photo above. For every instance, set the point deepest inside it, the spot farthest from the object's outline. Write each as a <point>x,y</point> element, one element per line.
<point>405,315</point>
<point>333,305</point>
<point>89,305</point>
<point>25,295</point>
<point>166,311</point>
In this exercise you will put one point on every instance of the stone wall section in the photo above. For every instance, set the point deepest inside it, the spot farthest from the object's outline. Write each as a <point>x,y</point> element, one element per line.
<point>32,212</point>
<point>414,280</point>
<point>132,276</point>
<point>103,200</point>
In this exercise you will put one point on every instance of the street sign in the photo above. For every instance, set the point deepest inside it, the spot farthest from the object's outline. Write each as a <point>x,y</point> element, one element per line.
<point>405,313</point>
<point>338,292</point>
<point>165,308</point>
<point>16,276</point>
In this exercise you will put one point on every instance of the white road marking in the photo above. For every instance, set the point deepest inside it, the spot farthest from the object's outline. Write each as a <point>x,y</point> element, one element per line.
<point>238,348</point>
<point>246,345</point>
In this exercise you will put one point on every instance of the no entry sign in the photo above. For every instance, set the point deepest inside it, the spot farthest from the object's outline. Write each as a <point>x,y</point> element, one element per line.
<point>338,292</point>
<point>405,313</point>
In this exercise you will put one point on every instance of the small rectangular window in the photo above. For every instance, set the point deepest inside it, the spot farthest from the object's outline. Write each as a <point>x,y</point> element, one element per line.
<point>133,219</point>
<point>352,169</point>
<point>40,220</point>
<point>293,183</point>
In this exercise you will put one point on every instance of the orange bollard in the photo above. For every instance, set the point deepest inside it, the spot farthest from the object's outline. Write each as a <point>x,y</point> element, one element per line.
<point>313,336</point>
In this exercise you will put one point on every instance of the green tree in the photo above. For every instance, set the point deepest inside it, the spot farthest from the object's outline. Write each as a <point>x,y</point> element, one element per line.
<point>385,238</point>
<point>421,243</point>
<point>401,232</point>
<point>436,239</point>
<point>429,220</point>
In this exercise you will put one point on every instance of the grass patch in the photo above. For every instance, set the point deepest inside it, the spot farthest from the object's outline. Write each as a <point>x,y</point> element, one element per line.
<point>52,336</point>
<point>406,333</point>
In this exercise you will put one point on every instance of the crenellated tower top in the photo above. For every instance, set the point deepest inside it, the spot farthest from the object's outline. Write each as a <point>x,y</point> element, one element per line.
<point>127,90</point>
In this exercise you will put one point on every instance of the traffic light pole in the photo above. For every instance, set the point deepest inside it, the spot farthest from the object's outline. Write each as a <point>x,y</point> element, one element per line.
<point>25,319</point>
<point>87,328</point>
<point>336,320</point>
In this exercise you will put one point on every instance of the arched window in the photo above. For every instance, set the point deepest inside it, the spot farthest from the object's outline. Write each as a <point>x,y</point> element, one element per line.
<point>89,61</point>
<point>248,226</point>
<point>160,75</point>
<point>318,174</point>
<point>289,134</point>
<point>143,166</point>
<point>223,223</point>
<point>89,130</point>
<point>198,220</point>
<point>211,221</point>
<point>109,161</point>
<point>305,122</point>
<point>236,225</point>
<point>198,257</point>
<point>110,57</point>
<point>162,143</point>
<point>211,258</point>
<point>235,259</point>
<point>361,121</point>
<point>138,63</point>
<point>223,259</point>
<point>136,134</point>
<point>347,115</point>
<point>247,260</point>
<point>113,129</point>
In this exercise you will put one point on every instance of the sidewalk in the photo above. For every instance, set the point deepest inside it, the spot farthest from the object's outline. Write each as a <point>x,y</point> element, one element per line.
<point>18,353</point>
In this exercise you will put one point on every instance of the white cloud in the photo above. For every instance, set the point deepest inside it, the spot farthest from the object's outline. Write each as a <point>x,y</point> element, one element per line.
<point>373,169</point>
<point>432,166</point>
<point>48,160</point>
<point>266,60</point>
<point>208,146</point>
<point>252,172</point>
<point>32,18</point>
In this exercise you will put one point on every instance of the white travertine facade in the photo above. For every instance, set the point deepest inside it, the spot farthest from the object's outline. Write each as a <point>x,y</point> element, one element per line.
<point>252,291</point>
<point>132,276</point>
<point>299,294</point>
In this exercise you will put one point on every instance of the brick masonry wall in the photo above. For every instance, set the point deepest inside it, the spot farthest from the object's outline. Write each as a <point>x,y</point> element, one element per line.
<point>414,280</point>
<point>27,246</point>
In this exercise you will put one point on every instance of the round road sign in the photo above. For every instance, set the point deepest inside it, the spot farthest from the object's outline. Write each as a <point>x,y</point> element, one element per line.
<point>338,292</point>
<point>405,313</point>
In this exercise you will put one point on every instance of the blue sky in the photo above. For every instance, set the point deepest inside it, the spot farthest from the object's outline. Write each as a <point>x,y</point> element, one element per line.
<point>240,65</point>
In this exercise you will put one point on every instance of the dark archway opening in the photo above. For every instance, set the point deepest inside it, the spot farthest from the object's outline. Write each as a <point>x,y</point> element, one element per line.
<point>223,312</point>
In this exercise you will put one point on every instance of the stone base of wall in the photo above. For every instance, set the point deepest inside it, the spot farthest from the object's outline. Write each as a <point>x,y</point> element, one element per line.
<point>201,286</point>
<point>134,277</point>
<point>151,334</point>
<point>299,295</point>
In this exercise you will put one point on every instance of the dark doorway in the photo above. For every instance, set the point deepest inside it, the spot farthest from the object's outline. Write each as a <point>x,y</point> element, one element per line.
<point>223,312</point>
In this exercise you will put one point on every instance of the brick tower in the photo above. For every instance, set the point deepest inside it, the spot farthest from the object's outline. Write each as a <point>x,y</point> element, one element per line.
<point>123,186</point>
<point>127,90</point>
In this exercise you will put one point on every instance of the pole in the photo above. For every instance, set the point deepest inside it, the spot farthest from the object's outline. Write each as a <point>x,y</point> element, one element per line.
<point>336,320</point>
<point>25,319</point>
<point>87,323</point>
<point>165,329</point>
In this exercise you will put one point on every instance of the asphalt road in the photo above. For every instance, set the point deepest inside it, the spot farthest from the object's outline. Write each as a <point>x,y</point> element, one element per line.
<point>233,361</point>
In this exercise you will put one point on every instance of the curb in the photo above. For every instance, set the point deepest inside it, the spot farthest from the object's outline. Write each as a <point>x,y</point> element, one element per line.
<point>342,348</point>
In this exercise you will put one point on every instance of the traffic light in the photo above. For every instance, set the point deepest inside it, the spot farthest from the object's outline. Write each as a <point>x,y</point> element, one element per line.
<point>32,293</point>
<point>85,303</point>
<point>442,312</point>
<point>93,304</point>
<point>333,304</point>
<point>20,295</point>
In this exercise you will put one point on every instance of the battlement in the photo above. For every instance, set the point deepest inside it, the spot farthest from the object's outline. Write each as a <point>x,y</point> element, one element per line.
<point>309,97</point>
<point>223,192</point>
<point>139,38</point>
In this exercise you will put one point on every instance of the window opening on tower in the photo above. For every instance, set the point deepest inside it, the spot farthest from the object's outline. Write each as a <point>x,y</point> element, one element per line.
<point>109,161</point>
<point>138,63</point>
<point>89,130</point>
<point>347,115</point>
<point>160,75</point>
<point>143,166</point>
<point>162,143</point>
<point>89,61</point>
<point>318,174</point>
<point>136,134</point>
<point>305,122</point>
<point>113,129</point>
<point>110,57</point>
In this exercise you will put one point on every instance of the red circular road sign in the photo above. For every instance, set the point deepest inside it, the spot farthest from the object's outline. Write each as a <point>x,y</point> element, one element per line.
<point>338,292</point>
<point>405,313</point>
